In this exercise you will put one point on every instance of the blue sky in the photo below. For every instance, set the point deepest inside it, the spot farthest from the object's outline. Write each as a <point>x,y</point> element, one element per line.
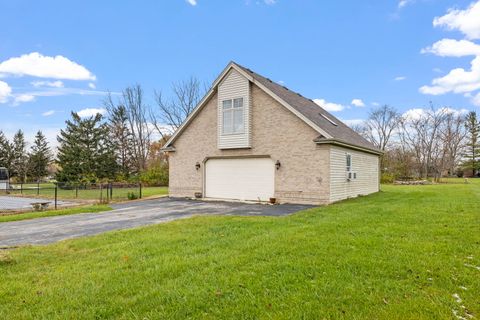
<point>58,56</point>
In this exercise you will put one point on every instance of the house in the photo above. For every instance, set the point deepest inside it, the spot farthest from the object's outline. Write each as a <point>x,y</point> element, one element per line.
<point>250,138</point>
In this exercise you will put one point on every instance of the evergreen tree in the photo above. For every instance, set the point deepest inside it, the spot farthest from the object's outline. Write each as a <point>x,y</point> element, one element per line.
<point>472,154</point>
<point>5,152</point>
<point>19,157</point>
<point>85,153</point>
<point>121,138</point>
<point>39,157</point>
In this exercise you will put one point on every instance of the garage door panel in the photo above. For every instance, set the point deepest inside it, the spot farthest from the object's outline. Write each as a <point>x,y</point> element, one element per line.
<point>242,179</point>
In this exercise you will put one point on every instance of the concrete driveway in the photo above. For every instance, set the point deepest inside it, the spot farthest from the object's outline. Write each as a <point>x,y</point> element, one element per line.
<point>127,215</point>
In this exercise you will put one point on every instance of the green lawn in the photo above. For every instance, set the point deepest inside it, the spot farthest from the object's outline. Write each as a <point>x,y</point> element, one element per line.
<point>404,253</point>
<point>51,213</point>
<point>119,194</point>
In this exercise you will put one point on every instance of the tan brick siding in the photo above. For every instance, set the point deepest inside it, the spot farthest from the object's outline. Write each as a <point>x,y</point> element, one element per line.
<point>276,132</point>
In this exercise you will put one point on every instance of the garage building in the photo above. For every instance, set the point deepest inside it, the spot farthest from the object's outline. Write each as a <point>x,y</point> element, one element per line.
<point>253,139</point>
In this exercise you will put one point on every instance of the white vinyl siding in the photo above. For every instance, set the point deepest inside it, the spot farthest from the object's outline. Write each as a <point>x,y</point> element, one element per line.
<point>240,179</point>
<point>365,165</point>
<point>233,120</point>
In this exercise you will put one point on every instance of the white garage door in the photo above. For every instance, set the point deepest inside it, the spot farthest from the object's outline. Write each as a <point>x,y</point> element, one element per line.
<point>241,179</point>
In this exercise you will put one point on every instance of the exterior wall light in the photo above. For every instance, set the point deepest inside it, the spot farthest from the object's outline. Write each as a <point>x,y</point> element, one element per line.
<point>197,165</point>
<point>278,164</point>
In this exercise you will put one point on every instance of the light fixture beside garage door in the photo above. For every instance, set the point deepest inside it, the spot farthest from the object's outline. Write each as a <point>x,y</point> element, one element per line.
<point>197,165</point>
<point>278,164</point>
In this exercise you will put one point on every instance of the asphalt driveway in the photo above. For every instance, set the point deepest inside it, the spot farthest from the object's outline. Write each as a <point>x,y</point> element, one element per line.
<point>127,215</point>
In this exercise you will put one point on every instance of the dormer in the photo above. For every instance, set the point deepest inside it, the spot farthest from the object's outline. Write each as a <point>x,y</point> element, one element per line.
<point>233,112</point>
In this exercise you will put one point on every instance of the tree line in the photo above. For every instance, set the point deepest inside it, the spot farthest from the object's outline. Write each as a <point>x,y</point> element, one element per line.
<point>122,145</point>
<point>424,143</point>
<point>25,164</point>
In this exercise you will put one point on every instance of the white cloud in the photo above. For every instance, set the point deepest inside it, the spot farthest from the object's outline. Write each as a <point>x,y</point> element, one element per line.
<point>89,112</point>
<point>453,48</point>
<point>400,78</point>
<point>403,3</point>
<point>21,98</point>
<point>92,85</point>
<point>192,2</point>
<point>55,92</point>
<point>413,114</point>
<point>48,113</point>
<point>476,100</point>
<point>466,21</point>
<point>329,106</point>
<point>453,111</point>
<point>270,2</point>
<point>53,84</point>
<point>417,113</point>
<point>37,65</point>
<point>457,80</point>
<point>375,104</point>
<point>358,103</point>
<point>437,70</point>
<point>5,92</point>
<point>353,122</point>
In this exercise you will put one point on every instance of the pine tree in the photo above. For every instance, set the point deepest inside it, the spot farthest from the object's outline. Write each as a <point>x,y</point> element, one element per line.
<point>472,155</point>
<point>85,153</point>
<point>19,157</point>
<point>5,152</point>
<point>39,158</point>
<point>121,138</point>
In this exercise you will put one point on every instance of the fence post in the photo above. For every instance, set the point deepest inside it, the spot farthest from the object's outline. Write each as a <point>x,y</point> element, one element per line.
<point>76,191</point>
<point>38,187</point>
<point>101,193</point>
<point>56,193</point>
<point>140,195</point>
<point>111,191</point>
<point>21,187</point>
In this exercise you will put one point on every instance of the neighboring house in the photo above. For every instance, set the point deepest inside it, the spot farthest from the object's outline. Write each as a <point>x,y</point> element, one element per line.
<point>253,139</point>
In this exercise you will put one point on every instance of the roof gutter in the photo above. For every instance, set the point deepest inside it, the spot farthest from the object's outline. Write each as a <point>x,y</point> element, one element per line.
<point>348,145</point>
<point>167,149</point>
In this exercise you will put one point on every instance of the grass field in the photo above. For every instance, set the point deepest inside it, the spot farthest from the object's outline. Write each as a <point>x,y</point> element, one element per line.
<point>51,213</point>
<point>47,190</point>
<point>408,252</point>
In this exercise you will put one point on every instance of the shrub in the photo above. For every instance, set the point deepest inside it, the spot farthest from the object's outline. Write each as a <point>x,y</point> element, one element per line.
<point>155,175</point>
<point>132,196</point>
<point>459,173</point>
<point>387,178</point>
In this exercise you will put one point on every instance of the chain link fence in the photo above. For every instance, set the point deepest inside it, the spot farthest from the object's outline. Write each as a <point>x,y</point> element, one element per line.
<point>57,193</point>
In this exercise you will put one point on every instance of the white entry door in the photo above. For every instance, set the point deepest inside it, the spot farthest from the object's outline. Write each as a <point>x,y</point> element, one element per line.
<point>240,179</point>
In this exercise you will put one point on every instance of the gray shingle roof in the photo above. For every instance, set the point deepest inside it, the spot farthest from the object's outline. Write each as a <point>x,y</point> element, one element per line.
<point>319,116</point>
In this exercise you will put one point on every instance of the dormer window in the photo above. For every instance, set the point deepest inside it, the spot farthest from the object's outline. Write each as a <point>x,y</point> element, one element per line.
<point>233,116</point>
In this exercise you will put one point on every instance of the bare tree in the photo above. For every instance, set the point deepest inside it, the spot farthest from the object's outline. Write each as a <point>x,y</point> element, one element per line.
<point>452,135</point>
<point>380,125</point>
<point>172,112</point>
<point>359,128</point>
<point>421,135</point>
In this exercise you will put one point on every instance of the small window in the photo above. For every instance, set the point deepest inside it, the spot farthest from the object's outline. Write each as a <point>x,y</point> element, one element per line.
<point>233,116</point>
<point>349,162</point>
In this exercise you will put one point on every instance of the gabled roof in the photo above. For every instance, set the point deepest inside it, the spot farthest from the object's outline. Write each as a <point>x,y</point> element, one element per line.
<point>331,130</point>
